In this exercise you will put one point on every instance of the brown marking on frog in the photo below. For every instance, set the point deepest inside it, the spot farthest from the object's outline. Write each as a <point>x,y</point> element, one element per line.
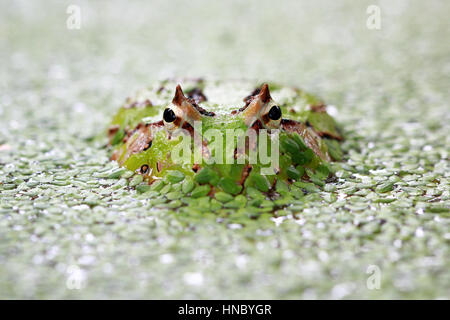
<point>112,130</point>
<point>265,118</point>
<point>320,107</point>
<point>196,94</point>
<point>139,139</point>
<point>273,186</point>
<point>212,192</point>
<point>202,111</point>
<point>160,165</point>
<point>128,133</point>
<point>257,125</point>
<point>310,137</point>
<point>329,135</point>
<point>195,97</point>
<point>325,134</point>
<point>177,122</point>
<point>245,173</point>
<point>115,155</point>
<point>137,104</point>
<point>248,99</point>
<point>142,138</point>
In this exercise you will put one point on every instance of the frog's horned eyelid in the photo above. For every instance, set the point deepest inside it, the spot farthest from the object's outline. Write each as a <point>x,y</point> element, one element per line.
<point>264,94</point>
<point>179,96</point>
<point>256,108</point>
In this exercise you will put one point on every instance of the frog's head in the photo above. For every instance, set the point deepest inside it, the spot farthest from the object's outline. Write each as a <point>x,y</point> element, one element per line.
<point>260,110</point>
<point>261,107</point>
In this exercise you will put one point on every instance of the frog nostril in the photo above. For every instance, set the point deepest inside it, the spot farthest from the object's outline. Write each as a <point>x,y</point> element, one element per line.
<point>169,115</point>
<point>148,146</point>
<point>275,113</point>
<point>144,169</point>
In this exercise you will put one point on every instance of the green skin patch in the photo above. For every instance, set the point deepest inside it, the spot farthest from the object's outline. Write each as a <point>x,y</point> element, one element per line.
<point>142,140</point>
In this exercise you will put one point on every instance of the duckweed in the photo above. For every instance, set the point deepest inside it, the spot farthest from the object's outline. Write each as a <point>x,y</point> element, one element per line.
<point>65,206</point>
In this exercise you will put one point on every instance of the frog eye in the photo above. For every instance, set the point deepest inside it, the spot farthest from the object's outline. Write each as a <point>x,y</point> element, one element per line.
<point>169,115</point>
<point>275,113</point>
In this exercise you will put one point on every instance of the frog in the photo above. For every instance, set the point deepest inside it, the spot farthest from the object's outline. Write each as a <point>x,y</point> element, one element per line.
<point>291,125</point>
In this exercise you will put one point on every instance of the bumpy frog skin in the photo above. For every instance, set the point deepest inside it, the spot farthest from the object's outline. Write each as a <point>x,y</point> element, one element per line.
<point>142,137</point>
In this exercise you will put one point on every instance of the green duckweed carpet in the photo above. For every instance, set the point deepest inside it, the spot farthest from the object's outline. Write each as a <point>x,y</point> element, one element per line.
<point>70,229</point>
